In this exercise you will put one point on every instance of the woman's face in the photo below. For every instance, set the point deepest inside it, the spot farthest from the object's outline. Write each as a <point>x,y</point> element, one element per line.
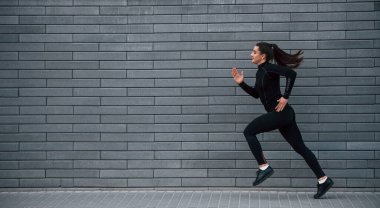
<point>256,56</point>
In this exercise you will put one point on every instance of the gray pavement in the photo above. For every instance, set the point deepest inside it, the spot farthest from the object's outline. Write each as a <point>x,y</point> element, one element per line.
<point>185,199</point>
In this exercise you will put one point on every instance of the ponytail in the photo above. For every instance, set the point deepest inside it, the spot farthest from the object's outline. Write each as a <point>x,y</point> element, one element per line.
<point>272,51</point>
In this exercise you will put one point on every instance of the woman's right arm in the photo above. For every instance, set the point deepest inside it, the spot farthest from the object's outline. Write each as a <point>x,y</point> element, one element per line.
<point>250,90</point>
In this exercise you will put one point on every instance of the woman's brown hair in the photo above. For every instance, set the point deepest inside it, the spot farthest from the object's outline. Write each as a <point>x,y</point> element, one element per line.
<point>272,51</point>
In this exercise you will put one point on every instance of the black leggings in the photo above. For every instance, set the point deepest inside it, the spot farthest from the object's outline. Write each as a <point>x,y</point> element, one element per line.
<point>285,121</point>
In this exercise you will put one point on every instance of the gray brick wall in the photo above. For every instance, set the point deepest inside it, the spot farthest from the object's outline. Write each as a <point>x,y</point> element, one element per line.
<point>139,93</point>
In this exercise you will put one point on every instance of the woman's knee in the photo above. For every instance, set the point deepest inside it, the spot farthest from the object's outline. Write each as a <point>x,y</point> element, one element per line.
<point>250,130</point>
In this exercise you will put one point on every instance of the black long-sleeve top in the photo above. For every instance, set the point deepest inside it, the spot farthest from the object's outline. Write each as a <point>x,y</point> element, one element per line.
<point>267,86</point>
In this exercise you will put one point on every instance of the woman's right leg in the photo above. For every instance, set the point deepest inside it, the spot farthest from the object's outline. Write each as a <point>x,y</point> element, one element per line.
<point>293,136</point>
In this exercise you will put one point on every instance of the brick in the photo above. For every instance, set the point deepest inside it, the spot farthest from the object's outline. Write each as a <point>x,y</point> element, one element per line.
<point>73,83</point>
<point>149,182</point>
<point>192,64</point>
<point>30,110</point>
<point>95,182</point>
<point>146,19</point>
<point>45,128</point>
<point>22,29</point>
<point>9,3</point>
<point>73,137</point>
<point>344,44</point>
<point>208,18</point>
<point>72,155</point>
<point>185,46</point>
<point>126,46</point>
<point>239,9</point>
<point>126,64</point>
<point>99,92</point>
<point>154,92</point>
<point>30,137</point>
<point>99,74</point>
<point>122,155</point>
<point>8,128</point>
<point>363,34</point>
<point>128,119</point>
<point>22,173</point>
<point>127,137</point>
<point>153,128</point>
<point>198,9</point>
<point>81,38</point>
<point>21,65</point>
<point>72,65</point>
<point>336,7</point>
<point>9,110</point>
<point>154,164</point>
<point>9,165</point>
<point>352,25</point>
<point>321,35</point>
<point>126,173</point>
<point>367,15</point>
<point>48,20</point>
<point>8,93</point>
<point>100,2</point>
<point>72,10</point>
<point>290,8</point>
<point>234,27</point>
<point>8,147</point>
<point>22,101</point>
<point>46,164</point>
<point>99,127</point>
<point>22,10</point>
<point>181,155</point>
<point>22,119</point>
<point>9,20</point>
<point>180,28</point>
<point>199,182</point>
<point>45,56</point>
<point>132,10</point>
<point>81,173</point>
<point>72,119</point>
<point>72,28</point>
<point>26,155</point>
<point>36,146</point>
<point>183,173</point>
<point>144,28</point>
<point>100,110</point>
<point>99,55</point>
<point>51,182</point>
<point>153,55</point>
<point>206,37</point>
<point>281,17</point>
<point>46,2</point>
<point>154,110</point>
<point>21,47</point>
<point>100,164</point>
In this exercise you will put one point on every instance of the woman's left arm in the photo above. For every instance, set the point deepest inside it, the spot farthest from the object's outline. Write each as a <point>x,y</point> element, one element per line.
<point>290,75</point>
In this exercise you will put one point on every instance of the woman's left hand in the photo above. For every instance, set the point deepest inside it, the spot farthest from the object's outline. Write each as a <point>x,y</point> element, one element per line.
<point>281,104</point>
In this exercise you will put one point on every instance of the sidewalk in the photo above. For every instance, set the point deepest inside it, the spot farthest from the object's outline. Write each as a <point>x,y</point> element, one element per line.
<point>185,199</point>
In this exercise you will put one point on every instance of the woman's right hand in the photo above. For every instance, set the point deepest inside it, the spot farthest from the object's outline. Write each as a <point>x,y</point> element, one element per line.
<point>237,77</point>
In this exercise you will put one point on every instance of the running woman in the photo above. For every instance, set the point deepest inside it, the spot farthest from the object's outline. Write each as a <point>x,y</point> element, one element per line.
<point>280,114</point>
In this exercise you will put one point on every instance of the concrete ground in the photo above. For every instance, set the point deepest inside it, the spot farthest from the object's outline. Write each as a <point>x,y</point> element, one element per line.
<point>149,198</point>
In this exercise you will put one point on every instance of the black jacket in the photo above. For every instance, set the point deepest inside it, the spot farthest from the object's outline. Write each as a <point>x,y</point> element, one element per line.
<point>267,86</point>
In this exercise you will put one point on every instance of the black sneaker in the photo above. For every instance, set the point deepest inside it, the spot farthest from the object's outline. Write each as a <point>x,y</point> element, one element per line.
<point>323,188</point>
<point>262,175</point>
